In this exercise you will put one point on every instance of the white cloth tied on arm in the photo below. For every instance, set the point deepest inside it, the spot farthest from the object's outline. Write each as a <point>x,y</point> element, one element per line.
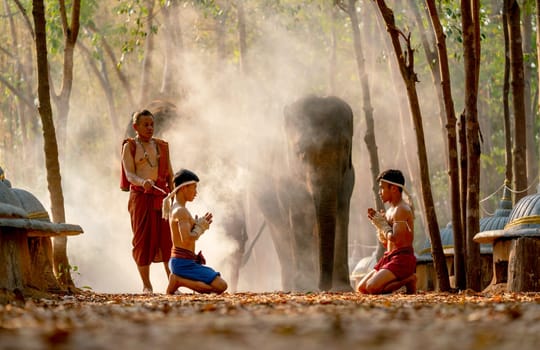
<point>201,225</point>
<point>379,221</point>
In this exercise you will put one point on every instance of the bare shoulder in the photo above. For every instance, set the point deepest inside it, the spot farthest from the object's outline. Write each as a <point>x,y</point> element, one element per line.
<point>403,212</point>
<point>128,147</point>
<point>180,213</point>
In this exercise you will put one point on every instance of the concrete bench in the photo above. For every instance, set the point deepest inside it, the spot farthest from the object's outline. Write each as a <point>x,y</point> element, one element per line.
<point>516,248</point>
<point>25,242</point>
<point>516,259</point>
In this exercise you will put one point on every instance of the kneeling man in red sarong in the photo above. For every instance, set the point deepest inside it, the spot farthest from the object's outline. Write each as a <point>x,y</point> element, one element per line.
<point>395,230</point>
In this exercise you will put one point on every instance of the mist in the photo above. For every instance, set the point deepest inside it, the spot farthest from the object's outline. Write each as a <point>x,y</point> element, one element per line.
<point>230,132</point>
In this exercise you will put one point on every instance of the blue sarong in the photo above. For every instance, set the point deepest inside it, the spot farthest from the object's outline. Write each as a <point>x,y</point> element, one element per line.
<point>190,269</point>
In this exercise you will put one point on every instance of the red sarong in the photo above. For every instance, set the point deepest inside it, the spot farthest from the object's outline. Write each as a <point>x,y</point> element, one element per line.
<point>401,262</point>
<point>151,234</point>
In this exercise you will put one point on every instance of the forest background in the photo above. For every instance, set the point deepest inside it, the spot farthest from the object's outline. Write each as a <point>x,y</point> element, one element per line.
<point>230,67</point>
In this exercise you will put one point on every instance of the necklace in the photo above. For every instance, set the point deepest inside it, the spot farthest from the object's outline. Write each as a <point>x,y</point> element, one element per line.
<point>146,153</point>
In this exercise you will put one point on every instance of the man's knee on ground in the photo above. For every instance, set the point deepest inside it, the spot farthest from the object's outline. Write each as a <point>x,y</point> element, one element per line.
<point>372,287</point>
<point>219,285</point>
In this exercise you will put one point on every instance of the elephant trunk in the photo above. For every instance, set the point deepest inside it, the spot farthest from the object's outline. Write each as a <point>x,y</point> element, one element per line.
<point>326,211</point>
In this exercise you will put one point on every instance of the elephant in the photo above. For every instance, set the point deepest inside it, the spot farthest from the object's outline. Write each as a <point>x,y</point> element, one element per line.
<point>307,204</point>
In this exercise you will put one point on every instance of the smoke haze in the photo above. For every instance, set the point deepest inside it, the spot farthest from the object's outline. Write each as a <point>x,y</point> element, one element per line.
<point>229,131</point>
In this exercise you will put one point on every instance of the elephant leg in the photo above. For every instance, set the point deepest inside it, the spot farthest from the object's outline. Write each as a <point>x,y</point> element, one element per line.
<point>341,277</point>
<point>304,249</point>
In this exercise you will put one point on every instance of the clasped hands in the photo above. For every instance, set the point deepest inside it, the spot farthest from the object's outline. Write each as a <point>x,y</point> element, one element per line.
<point>378,220</point>
<point>201,224</point>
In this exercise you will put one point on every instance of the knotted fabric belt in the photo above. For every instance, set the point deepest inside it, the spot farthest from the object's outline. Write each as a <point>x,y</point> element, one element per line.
<point>181,253</point>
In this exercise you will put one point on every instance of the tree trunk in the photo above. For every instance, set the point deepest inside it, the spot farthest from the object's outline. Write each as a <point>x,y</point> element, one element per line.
<point>433,61</point>
<point>518,89</point>
<point>62,101</point>
<point>506,104</point>
<point>145,87</point>
<point>369,137</point>
<point>242,37</point>
<point>49,133</point>
<point>103,78</point>
<point>471,56</point>
<point>530,110</point>
<point>538,65</point>
<point>453,162</point>
<point>173,56</point>
<point>332,64</point>
<point>126,84</point>
<point>403,110</point>
<point>71,32</point>
<point>406,65</point>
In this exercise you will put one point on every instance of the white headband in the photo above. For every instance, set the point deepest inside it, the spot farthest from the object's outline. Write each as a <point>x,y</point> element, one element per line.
<point>409,201</point>
<point>167,201</point>
<point>393,183</point>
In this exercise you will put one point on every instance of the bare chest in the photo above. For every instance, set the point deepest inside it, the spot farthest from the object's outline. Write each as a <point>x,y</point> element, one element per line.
<point>146,155</point>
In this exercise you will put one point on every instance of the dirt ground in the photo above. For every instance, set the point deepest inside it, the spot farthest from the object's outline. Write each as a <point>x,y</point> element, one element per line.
<point>273,321</point>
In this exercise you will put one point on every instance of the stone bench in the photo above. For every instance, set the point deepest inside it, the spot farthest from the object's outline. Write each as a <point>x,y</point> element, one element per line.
<point>25,242</point>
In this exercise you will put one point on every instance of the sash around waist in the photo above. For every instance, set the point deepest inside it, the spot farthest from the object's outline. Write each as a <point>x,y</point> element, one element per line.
<point>182,253</point>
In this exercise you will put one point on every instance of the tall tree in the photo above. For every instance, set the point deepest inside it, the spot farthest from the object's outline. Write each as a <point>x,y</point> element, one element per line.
<point>242,36</point>
<point>70,33</point>
<point>52,162</point>
<point>101,73</point>
<point>453,160</point>
<point>538,62</point>
<point>173,52</point>
<point>109,52</point>
<point>406,66</point>
<point>470,13</point>
<point>511,7</point>
<point>62,102</point>
<point>363,78</point>
<point>530,109</point>
<point>508,175</point>
<point>427,39</point>
<point>148,56</point>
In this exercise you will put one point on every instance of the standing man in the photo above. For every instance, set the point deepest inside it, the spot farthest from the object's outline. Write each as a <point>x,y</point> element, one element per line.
<point>147,173</point>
